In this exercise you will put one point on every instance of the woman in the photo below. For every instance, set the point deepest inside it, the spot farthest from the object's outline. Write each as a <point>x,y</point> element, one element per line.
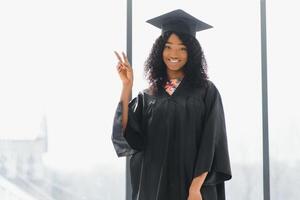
<point>174,131</point>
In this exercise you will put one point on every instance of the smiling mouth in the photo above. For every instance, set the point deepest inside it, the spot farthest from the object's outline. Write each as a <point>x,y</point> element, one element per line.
<point>173,60</point>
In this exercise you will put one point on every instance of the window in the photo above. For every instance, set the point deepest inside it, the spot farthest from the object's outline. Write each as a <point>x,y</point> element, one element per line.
<point>284,110</point>
<point>59,89</point>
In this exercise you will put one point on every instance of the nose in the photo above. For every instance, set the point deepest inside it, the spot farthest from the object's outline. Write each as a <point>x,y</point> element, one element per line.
<point>173,54</point>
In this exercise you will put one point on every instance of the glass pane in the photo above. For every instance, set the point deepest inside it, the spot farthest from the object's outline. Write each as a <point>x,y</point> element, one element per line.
<point>284,98</point>
<point>232,50</point>
<point>56,109</point>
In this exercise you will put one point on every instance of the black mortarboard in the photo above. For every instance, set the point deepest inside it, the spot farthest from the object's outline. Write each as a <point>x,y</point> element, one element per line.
<point>179,21</point>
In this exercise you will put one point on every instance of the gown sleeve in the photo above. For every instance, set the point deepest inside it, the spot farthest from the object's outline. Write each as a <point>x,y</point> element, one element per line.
<point>129,140</point>
<point>213,149</point>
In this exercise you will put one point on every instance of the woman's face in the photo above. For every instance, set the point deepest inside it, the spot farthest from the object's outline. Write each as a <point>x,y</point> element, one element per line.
<point>175,55</point>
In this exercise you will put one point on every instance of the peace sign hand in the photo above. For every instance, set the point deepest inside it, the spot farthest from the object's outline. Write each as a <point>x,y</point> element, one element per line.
<point>125,70</point>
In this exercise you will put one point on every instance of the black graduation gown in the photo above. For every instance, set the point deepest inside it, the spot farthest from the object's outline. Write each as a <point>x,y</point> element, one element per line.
<point>173,139</point>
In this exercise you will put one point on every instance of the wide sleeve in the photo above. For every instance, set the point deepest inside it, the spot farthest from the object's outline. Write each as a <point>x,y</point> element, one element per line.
<point>129,141</point>
<point>213,153</point>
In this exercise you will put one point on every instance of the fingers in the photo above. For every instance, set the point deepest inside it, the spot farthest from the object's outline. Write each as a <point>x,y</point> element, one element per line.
<point>121,66</point>
<point>118,56</point>
<point>125,58</point>
<point>124,61</point>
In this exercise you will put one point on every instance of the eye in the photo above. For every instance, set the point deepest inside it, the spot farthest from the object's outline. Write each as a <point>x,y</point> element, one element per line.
<point>167,47</point>
<point>183,49</point>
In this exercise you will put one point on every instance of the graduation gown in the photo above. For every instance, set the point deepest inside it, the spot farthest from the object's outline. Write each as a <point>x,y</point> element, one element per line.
<point>172,139</point>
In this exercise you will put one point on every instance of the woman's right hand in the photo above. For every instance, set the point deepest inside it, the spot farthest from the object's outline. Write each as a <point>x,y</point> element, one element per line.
<point>125,70</point>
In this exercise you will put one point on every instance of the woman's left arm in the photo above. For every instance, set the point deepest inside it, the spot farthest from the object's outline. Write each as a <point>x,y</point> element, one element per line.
<point>197,182</point>
<point>194,190</point>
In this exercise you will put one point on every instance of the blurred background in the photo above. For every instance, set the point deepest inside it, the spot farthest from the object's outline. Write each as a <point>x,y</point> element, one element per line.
<point>59,89</point>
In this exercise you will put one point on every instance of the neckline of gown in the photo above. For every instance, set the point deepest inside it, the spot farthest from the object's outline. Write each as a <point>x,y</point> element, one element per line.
<point>178,90</point>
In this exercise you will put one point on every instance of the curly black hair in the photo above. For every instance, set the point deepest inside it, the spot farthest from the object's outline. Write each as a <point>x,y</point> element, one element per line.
<point>195,70</point>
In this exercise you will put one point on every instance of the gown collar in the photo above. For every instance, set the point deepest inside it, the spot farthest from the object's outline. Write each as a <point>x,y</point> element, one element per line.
<point>181,89</point>
<point>171,85</point>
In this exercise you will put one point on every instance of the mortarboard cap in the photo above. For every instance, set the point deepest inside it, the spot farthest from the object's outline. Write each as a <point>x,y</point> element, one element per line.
<point>179,21</point>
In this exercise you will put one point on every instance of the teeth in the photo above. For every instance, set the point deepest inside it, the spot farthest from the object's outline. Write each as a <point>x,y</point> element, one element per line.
<point>173,61</point>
